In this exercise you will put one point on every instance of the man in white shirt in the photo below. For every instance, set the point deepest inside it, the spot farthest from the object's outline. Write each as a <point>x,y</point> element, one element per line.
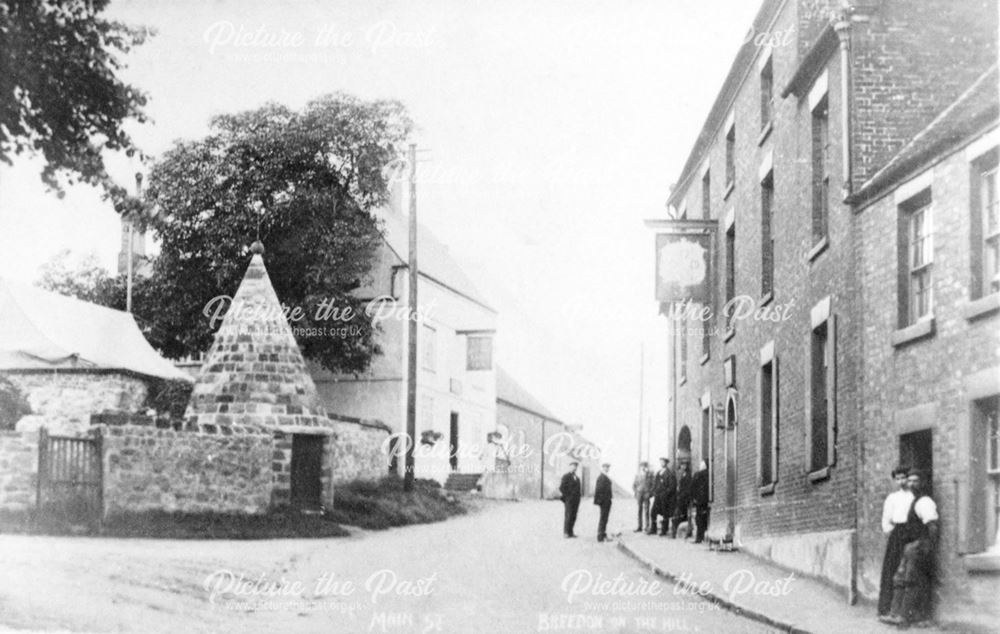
<point>894,513</point>
<point>911,597</point>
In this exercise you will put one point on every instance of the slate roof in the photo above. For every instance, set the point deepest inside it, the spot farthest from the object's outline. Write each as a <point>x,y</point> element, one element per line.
<point>511,392</point>
<point>433,259</point>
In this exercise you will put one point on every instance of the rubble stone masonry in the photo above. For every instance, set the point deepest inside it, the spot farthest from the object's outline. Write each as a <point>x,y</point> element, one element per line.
<point>358,453</point>
<point>18,470</point>
<point>146,468</point>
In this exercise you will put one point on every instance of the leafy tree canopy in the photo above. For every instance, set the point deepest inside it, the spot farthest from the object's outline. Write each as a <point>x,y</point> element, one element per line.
<point>82,278</point>
<point>60,96</point>
<point>306,183</point>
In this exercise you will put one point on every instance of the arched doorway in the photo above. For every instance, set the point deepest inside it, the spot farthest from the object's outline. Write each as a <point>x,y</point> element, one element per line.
<point>683,446</point>
<point>731,427</point>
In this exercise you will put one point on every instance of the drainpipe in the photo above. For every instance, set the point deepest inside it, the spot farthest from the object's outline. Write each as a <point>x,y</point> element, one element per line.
<point>843,29</point>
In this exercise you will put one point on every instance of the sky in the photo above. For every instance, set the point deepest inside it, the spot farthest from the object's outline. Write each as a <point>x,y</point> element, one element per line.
<point>549,130</point>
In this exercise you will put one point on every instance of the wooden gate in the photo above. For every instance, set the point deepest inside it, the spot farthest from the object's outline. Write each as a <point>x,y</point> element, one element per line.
<point>70,488</point>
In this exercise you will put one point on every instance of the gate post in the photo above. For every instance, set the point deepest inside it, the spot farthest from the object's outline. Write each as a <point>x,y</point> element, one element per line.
<point>99,457</point>
<point>43,446</point>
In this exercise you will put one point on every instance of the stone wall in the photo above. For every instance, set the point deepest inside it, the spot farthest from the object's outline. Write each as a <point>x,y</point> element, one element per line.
<point>63,400</point>
<point>161,469</point>
<point>18,470</point>
<point>358,452</point>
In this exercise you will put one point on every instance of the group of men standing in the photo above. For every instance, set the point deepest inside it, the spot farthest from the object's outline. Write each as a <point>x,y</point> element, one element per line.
<point>665,495</point>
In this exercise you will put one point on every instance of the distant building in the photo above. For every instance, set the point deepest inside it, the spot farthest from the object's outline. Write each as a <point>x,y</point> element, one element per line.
<point>836,201</point>
<point>534,447</point>
<point>456,392</point>
<point>134,240</point>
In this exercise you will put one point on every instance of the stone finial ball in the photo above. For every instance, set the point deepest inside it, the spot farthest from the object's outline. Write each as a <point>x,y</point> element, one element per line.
<point>257,248</point>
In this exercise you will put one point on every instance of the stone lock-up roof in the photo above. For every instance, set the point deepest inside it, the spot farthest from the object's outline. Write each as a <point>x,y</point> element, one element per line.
<point>254,377</point>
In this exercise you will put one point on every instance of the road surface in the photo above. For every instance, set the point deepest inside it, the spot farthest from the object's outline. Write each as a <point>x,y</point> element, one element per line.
<point>506,568</point>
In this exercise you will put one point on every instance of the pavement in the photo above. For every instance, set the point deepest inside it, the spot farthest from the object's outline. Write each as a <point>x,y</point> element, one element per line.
<point>753,588</point>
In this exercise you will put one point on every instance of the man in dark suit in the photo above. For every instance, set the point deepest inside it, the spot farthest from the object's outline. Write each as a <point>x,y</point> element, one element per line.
<point>683,499</point>
<point>602,498</point>
<point>571,491</point>
<point>699,498</point>
<point>669,498</point>
<point>660,494</point>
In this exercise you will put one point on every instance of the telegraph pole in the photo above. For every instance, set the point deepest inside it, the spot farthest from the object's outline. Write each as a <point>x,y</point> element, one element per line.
<point>411,382</point>
<point>131,241</point>
<point>642,386</point>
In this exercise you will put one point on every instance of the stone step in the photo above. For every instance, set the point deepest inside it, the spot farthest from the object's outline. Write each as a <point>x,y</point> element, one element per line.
<point>462,481</point>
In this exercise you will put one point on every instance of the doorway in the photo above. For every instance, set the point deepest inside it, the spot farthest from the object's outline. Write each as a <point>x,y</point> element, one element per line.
<point>307,469</point>
<point>453,442</point>
<point>731,427</point>
<point>916,451</point>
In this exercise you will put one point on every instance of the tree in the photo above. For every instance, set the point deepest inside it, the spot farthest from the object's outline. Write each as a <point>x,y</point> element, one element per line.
<point>60,96</point>
<point>84,279</point>
<point>306,183</point>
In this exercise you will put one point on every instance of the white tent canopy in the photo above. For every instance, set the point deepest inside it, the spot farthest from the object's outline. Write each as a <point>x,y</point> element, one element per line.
<point>44,330</point>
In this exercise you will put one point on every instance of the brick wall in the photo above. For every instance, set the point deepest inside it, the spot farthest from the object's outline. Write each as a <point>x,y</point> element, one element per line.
<point>359,452</point>
<point>911,60</point>
<point>797,505</point>
<point>160,469</point>
<point>931,372</point>
<point>18,470</point>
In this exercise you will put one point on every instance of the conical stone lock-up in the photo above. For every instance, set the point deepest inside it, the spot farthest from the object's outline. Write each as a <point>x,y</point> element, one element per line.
<point>254,377</point>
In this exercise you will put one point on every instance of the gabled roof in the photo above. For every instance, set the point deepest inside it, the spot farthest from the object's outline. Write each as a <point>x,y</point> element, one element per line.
<point>976,109</point>
<point>433,260</point>
<point>510,392</point>
<point>41,330</point>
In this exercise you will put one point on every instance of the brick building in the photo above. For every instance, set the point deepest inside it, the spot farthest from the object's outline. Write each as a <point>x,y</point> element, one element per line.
<point>931,373</point>
<point>769,382</point>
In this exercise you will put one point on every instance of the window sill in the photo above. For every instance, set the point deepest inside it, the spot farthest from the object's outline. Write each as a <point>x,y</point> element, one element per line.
<point>766,132</point>
<point>767,489</point>
<point>982,563</point>
<point>765,299</point>
<point>919,330</point>
<point>820,475</point>
<point>730,333</point>
<point>981,307</point>
<point>818,248</point>
<point>704,358</point>
<point>729,189</point>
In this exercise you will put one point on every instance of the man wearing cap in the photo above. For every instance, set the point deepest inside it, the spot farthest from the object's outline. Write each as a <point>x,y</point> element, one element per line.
<point>571,491</point>
<point>895,511</point>
<point>911,596</point>
<point>642,488</point>
<point>602,498</point>
<point>664,490</point>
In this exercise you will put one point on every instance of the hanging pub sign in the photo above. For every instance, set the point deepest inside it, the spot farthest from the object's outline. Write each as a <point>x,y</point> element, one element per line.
<point>683,261</point>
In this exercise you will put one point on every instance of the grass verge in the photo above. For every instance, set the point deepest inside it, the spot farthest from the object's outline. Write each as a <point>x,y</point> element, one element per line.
<point>372,505</point>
